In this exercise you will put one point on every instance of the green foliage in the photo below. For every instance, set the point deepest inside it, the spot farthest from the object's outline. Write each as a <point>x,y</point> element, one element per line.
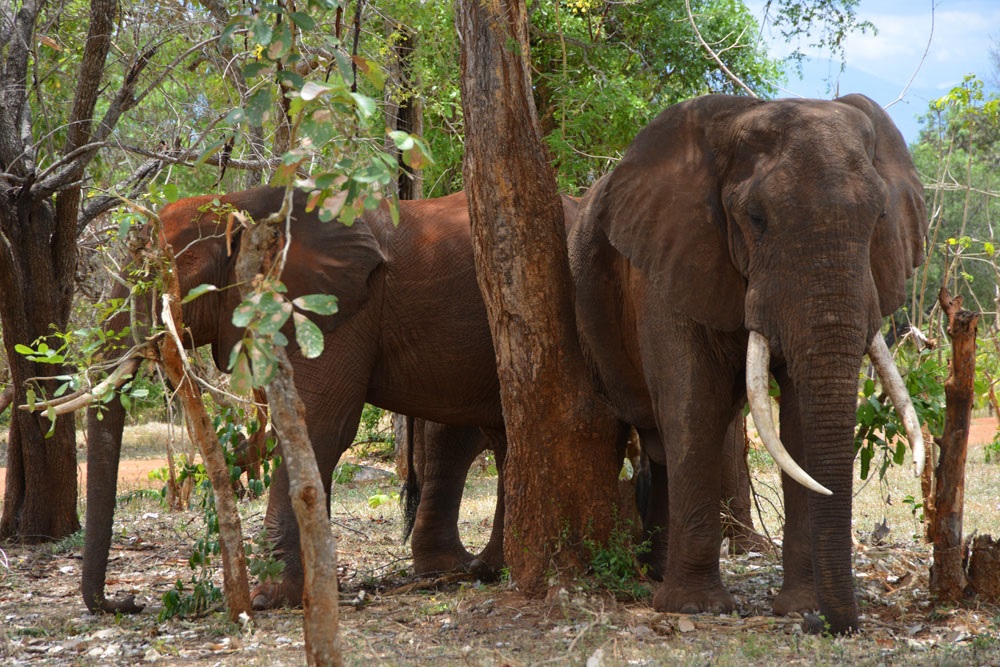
<point>200,593</point>
<point>375,432</point>
<point>992,450</point>
<point>615,565</point>
<point>345,473</point>
<point>817,24</point>
<point>880,429</point>
<point>957,155</point>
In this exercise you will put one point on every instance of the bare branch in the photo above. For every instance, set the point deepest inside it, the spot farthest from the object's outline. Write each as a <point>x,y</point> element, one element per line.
<point>13,84</point>
<point>124,369</point>
<point>927,47</point>
<point>697,33</point>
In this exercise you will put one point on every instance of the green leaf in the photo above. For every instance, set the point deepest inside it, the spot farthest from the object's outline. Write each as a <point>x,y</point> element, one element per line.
<point>321,304</point>
<point>900,453</point>
<point>314,89</point>
<point>259,106</point>
<point>303,20</point>
<point>23,349</point>
<point>308,336</point>
<point>195,292</point>
<point>244,313</point>
<point>265,364</point>
<point>273,312</point>
<point>241,381</point>
<point>366,105</point>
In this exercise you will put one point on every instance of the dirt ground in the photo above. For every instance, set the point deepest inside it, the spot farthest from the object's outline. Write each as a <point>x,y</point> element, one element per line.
<point>390,618</point>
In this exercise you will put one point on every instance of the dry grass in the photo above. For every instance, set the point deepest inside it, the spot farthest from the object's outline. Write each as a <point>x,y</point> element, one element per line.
<point>386,620</point>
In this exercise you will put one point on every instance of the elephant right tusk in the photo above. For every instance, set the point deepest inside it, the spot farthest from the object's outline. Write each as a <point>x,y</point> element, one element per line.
<point>758,363</point>
<point>881,358</point>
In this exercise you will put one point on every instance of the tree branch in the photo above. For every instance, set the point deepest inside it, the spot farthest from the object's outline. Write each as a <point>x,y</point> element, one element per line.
<point>711,52</point>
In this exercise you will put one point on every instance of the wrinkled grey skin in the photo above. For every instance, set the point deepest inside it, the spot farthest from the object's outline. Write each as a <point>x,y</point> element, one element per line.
<point>797,219</point>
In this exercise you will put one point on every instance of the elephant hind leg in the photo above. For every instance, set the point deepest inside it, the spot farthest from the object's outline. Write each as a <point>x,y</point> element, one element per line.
<point>490,561</point>
<point>443,455</point>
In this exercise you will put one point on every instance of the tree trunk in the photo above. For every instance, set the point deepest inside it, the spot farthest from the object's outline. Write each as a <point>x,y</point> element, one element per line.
<point>403,108</point>
<point>41,490</point>
<point>562,466</point>
<point>948,582</point>
<point>320,599</point>
<point>39,211</point>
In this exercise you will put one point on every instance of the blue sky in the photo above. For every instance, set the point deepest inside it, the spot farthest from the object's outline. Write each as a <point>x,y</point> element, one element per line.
<point>957,35</point>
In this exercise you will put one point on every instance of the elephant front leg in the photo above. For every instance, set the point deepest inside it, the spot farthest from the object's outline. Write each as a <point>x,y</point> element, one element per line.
<point>691,579</point>
<point>283,539</point>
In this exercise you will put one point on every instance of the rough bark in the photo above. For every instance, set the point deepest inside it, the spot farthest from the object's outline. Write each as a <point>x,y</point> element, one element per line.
<point>948,581</point>
<point>320,599</point>
<point>403,109</point>
<point>561,467</point>
<point>236,586</point>
<point>984,568</point>
<point>38,229</point>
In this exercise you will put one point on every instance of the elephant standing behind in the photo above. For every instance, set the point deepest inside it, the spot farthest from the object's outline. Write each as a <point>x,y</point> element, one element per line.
<point>411,336</point>
<point>736,228</point>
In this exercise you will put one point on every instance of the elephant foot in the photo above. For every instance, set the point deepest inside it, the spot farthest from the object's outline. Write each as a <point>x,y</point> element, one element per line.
<point>795,600</point>
<point>688,600</point>
<point>440,563</point>
<point>485,571</point>
<point>273,595</point>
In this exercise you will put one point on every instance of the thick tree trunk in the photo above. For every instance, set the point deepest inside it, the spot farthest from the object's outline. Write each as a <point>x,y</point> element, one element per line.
<point>41,491</point>
<point>561,467</point>
<point>948,582</point>
<point>38,229</point>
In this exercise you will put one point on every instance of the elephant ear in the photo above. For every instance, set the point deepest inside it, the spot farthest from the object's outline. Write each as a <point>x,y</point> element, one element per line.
<point>898,243</point>
<point>334,258</point>
<point>323,258</point>
<point>661,208</point>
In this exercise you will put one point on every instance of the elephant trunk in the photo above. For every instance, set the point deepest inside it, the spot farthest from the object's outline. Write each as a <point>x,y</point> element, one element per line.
<point>823,365</point>
<point>104,441</point>
<point>105,424</point>
<point>828,420</point>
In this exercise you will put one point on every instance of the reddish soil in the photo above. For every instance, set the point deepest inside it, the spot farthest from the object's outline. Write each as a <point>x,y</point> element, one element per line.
<point>132,474</point>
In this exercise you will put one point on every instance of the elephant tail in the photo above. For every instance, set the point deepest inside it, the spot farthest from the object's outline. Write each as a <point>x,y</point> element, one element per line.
<point>410,497</point>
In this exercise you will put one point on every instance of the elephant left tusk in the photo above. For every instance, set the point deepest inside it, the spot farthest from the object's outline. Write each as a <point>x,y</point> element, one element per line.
<point>879,353</point>
<point>758,363</point>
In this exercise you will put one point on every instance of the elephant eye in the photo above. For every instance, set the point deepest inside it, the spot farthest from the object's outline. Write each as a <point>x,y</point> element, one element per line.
<point>758,221</point>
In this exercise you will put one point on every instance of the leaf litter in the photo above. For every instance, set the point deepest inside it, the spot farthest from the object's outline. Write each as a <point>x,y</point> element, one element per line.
<point>390,617</point>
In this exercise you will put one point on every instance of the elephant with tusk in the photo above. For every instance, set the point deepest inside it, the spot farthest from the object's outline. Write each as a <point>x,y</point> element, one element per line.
<point>735,240</point>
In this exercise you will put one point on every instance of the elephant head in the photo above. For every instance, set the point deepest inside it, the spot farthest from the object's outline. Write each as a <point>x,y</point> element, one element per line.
<point>790,224</point>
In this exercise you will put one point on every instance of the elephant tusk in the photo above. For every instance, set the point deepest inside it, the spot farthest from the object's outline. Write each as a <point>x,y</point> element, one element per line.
<point>879,353</point>
<point>758,362</point>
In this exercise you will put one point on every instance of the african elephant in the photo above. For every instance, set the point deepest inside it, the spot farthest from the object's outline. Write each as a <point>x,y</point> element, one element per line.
<point>411,336</point>
<point>736,237</point>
